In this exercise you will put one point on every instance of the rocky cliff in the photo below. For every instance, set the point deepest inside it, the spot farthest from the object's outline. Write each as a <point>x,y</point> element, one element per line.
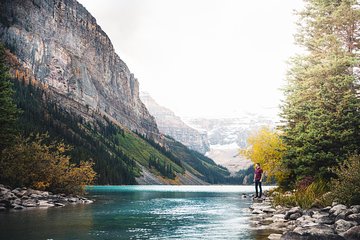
<point>62,47</point>
<point>172,125</point>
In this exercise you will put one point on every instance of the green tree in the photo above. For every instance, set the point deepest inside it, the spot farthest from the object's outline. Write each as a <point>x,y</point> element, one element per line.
<point>8,109</point>
<point>346,187</point>
<point>321,108</point>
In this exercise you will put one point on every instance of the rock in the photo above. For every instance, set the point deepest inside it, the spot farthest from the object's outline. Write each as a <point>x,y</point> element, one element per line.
<point>320,214</point>
<point>307,236</point>
<point>274,236</point>
<point>337,209</point>
<point>269,210</point>
<point>355,208</point>
<point>315,230</point>
<point>326,220</point>
<point>44,203</point>
<point>72,200</point>
<point>9,196</point>
<point>354,217</point>
<point>29,203</point>
<point>342,225</point>
<point>16,201</point>
<point>292,211</point>
<point>325,209</point>
<point>2,208</point>
<point>295,216</point>
<point>57,204</point>
<point>344,214</point>
<point>352,234</point>
<point>18,207</point>
<point>37,196</point>
<point>257,211</point>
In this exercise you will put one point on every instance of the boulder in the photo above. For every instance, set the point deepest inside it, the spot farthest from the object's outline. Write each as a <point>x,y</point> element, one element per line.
<point>344,214</point>
<point>292,211</point>
<point>72,200</point>
<point>2,208</point>
<point>320,214</point>
<point>16,201</point>
<point>352,234</point>
<point>315,230</point>
<point>9,196</point>
<point>326,220</point>
<point>295,216</point>
<point>29,203</point>
<point>17,207</point>
<point>342,225</point>
<point>274,236</point>
<point>355,208</point>
<point>337,209</point>
<point>325,209</point>
<point>307,236</point>
<point>57,204</point>
<point>354,217</point>
<point>257,211</point>
<point>269,210</point>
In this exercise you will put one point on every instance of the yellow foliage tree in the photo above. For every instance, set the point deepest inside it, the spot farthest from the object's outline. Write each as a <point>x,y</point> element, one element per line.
<point>266,148</point>
<point>34,162</point>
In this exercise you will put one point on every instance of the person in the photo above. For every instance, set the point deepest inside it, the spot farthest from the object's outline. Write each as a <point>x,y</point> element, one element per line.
<point>258,176</point>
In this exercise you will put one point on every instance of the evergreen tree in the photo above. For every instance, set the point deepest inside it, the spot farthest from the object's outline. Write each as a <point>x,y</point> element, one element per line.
<point>321,109</point>
<point>8,110</point>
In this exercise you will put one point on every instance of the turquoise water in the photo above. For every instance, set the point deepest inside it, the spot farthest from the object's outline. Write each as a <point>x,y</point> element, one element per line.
<point>141,212</point>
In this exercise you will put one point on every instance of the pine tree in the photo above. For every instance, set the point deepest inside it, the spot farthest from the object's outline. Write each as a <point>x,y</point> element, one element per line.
<point>8,110</point>
<point>321,109</point>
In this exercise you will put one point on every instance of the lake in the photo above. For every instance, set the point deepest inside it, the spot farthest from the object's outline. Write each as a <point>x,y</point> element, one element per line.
<point>141,212</point>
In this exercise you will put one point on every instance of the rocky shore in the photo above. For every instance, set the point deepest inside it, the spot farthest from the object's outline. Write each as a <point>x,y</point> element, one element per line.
<point>336,222</point>
<point>24,198</point>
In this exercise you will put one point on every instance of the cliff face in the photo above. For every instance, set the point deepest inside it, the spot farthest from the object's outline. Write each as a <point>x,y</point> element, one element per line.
<point>172,125</point>
<point>59,42</point>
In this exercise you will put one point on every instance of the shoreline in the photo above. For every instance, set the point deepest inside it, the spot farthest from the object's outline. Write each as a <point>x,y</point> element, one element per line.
<point>27,198</point>
<point>336,222</point>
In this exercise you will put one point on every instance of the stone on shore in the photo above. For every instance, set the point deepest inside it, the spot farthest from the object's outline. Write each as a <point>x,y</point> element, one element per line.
<point>342,225</point>
<point>274,236</point>
<point>354,217</point>
<point>337,209</point>
<point>352,234</point>
<point>21,198</point>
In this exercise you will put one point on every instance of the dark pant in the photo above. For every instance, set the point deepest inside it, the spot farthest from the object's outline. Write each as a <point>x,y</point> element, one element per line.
<point>258,184</point>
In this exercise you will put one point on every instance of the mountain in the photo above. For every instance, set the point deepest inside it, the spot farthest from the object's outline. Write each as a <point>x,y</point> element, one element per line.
<point>70,83</point>
<point>227,135</point>
<point>172,125</point>
<point>63,48</point>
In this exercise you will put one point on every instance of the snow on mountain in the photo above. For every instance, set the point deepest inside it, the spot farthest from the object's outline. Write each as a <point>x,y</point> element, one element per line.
<point>228,135</point>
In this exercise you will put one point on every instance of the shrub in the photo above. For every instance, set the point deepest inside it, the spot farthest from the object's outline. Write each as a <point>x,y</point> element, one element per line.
<point>33,162</point>
<point>313,194</point>
<point>346,187</point>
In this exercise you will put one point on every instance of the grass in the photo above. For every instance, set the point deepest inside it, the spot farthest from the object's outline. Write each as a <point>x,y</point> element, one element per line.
<point>316,194</point>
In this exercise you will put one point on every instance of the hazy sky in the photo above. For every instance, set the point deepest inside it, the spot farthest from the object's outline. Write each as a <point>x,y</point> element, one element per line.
<point>204,58</point>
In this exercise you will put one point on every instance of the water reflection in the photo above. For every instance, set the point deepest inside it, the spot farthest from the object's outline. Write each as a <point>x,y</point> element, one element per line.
<point>122,213</point>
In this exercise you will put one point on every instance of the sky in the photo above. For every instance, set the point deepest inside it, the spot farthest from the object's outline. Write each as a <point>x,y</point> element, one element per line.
<point>204,58</point>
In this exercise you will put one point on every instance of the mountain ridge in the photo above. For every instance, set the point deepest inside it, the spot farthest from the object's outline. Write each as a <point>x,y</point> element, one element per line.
<point>171,124</point>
